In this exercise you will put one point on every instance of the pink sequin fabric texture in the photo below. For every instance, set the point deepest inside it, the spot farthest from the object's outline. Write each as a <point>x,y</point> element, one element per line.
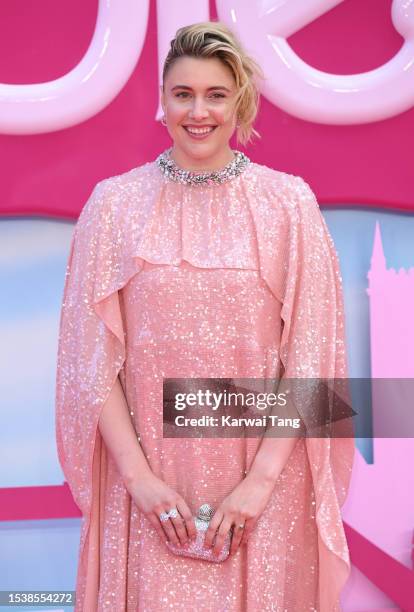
<point>238,279</point>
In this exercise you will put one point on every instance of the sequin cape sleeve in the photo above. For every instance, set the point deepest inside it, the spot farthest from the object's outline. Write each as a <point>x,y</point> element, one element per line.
<point>299,262</point>
<point>91,349</point>
<point>313,346</point>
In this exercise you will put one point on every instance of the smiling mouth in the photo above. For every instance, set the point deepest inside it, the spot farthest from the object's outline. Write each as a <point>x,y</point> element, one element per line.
<point>199,131</point>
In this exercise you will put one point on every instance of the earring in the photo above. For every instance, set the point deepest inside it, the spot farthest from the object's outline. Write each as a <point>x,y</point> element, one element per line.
<point>163,121</point>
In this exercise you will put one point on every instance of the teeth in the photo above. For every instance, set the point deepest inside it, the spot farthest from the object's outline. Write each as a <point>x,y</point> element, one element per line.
<point>199,130</point>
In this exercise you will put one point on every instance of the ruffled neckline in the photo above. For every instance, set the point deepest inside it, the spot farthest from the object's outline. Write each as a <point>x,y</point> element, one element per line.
<point>172,171</point>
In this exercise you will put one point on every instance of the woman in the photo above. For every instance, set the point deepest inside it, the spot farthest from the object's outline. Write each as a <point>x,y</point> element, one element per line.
<point>201,264</point>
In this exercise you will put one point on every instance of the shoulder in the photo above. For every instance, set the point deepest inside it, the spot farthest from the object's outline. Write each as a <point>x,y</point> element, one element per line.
<point>286,190</point>
<point>126,181</point>
<point>111,196</point>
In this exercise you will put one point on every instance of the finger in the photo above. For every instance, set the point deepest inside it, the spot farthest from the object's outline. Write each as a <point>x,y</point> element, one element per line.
<point>236,538</point>
<point>187,517</point>
<point>180,528</point>
<point>222,534</point>
<point>156,524</point>
<point>249,526</point>
<point>212,528</point>
<point>169,530</point>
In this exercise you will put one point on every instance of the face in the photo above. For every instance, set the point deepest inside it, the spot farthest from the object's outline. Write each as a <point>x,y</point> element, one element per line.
<point>200,93</point>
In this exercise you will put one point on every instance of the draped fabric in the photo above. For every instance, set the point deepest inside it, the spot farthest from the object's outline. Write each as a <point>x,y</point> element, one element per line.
<point>167,279</point>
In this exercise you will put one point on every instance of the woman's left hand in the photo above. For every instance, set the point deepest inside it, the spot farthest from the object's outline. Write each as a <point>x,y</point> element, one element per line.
<point>243,506</point>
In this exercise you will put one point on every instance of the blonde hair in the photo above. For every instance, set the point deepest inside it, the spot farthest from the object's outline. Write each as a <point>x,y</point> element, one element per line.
<point>208,39</point>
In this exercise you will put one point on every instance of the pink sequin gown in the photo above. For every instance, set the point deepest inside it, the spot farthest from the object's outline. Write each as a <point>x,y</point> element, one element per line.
<point>175,280</point>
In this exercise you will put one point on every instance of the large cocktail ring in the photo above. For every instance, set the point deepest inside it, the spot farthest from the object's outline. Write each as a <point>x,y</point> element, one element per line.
<point>173,513</point>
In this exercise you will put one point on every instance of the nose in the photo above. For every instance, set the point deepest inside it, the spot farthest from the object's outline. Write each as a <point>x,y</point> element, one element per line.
<point>198,109</point>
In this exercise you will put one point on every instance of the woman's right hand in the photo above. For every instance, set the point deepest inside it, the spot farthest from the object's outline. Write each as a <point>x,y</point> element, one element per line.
<point>152,496</point>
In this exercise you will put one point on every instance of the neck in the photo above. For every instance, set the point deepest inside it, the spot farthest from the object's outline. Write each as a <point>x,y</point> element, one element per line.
<point>209,164</point>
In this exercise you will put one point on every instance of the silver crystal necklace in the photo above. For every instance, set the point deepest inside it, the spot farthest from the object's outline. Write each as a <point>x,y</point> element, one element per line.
<point>170,169</point>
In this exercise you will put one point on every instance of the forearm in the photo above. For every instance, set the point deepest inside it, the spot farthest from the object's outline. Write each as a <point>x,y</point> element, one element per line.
<point>274,451</point>
<point>120,437</point>
<point>271,457</point>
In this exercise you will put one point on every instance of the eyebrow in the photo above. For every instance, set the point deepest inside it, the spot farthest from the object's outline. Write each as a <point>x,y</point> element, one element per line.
<point>209,89</point>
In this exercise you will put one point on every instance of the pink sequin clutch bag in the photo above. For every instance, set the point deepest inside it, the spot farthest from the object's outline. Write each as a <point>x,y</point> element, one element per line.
<point>195,548</point>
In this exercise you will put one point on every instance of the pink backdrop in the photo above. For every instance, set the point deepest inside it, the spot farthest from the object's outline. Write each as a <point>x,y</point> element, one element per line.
<point>52,174</point>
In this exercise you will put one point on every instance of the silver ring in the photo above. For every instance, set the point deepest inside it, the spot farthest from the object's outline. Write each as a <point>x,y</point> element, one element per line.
<point>173,513</point>
<point>241,526</point>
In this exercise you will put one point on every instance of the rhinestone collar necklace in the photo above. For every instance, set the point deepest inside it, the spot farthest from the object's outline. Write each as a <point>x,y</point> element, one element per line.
<point>170,169</point>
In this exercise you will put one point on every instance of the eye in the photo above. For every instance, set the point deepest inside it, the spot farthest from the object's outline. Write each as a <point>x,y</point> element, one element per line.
<point>185,93</point>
